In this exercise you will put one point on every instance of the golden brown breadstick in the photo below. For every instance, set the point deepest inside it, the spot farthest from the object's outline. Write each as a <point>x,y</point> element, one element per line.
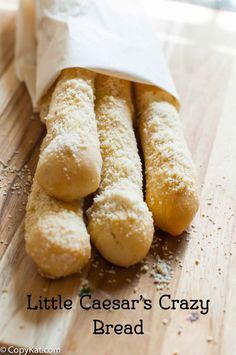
<point>55,234</point>
<point>70,163</point>
<point>171,191</point>
<point>120,223</point>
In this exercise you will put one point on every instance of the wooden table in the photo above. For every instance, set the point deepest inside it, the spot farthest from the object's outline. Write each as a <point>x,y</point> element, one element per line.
<point>200,45</point>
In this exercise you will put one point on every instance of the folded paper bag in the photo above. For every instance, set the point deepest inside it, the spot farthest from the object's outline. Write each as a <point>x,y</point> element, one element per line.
<point>109,37</point>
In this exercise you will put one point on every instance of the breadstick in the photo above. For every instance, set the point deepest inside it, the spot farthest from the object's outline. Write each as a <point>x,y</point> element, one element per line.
<point>171,191</point>
<point>120,223</point>
<point>55,234</point>
<point>69,167</point>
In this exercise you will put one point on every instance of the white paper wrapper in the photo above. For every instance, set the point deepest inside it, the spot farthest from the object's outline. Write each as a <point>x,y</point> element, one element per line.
<point>110,36</point>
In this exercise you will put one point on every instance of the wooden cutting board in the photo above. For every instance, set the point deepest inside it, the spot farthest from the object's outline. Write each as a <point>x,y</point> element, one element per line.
<point>200,45</point>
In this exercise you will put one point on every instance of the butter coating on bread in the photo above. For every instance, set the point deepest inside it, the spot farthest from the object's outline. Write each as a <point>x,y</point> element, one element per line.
<point>120,223</point>
<point>70,163</point>
<point>171,188</point>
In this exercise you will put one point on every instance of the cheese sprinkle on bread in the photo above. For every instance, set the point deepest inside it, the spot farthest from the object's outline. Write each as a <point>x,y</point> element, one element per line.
<point>120,224</point>
<point>55,234</point>
<point>171,188</point>
<point>70,163</point>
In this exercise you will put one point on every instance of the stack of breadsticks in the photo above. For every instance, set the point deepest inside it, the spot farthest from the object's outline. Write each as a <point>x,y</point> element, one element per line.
<point>90,146</point>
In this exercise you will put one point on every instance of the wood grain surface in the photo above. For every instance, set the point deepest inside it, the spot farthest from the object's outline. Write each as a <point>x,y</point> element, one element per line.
<point>200,46</point>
